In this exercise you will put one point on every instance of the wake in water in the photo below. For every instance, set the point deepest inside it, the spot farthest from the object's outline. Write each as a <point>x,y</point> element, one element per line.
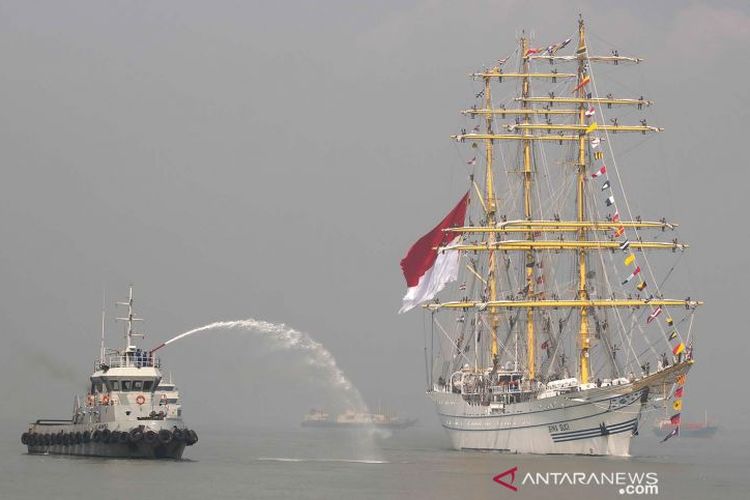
<point>340,460</point>
<point>289,338</point>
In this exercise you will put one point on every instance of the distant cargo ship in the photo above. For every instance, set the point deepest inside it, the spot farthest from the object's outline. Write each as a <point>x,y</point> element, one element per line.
<point>703,429</point>
<point>320,418</point>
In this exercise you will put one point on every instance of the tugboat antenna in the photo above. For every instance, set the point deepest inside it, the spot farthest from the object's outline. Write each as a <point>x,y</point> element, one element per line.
<point>129,333</point>
<point>102,353</point>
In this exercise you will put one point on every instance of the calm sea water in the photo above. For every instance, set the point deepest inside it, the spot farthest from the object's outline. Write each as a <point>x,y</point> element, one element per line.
<point>410,464</point>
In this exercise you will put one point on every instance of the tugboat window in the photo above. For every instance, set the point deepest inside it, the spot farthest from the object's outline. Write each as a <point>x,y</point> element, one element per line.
<point>126,385</point>
<point>115,385</point>
<point>147,385</point>
<point>137,385</point>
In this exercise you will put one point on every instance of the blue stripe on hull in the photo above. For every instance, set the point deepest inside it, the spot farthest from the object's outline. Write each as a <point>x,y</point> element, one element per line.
<point>629,425</point>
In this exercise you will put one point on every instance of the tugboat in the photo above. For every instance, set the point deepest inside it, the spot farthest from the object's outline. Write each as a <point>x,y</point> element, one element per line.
<point>127,413</point>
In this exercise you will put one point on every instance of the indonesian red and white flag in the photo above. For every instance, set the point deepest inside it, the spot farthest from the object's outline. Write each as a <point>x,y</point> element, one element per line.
<point>426,270</point>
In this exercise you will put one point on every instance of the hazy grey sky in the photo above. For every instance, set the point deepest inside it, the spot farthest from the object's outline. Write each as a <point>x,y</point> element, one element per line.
<point>276,159</point>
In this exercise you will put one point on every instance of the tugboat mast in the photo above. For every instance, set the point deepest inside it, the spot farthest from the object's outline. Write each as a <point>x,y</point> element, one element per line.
<point>102,350</point>
<point>130,319</point>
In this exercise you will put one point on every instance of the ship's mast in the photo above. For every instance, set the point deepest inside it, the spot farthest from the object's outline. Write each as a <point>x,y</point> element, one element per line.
<point>530,340</point>
<point>102,351</point>
<point>490,207</point>
<point>130,320</point>
<point>579,236</point>
<point>583,332</point>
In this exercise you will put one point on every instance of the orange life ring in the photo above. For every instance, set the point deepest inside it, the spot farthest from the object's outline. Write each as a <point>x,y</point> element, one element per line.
<point>105,399</point>
<point>140,399</point>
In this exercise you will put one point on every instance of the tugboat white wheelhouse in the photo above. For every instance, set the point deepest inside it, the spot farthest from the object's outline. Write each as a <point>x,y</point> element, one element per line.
<point>559,336</point>
<point>128,412</point>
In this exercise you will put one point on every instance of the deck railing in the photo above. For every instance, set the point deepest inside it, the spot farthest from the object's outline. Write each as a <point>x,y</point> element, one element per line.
<point>129,360</point>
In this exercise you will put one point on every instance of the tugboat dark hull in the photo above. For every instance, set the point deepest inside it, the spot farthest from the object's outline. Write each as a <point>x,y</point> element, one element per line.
<point>78,440</point>
<point>113,450</point>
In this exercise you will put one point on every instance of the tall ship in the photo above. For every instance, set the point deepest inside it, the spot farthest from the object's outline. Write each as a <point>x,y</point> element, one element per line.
<point>128,412</point>
<point>548,326</point>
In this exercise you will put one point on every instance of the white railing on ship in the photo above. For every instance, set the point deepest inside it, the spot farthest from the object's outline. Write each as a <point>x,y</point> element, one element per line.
<point>133,360</point>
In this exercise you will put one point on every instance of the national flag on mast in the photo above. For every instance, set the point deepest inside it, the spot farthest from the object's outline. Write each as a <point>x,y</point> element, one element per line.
<point>635,273</point>
<point>426,270</point>
<point>601,171</point>
<point>653,315</point>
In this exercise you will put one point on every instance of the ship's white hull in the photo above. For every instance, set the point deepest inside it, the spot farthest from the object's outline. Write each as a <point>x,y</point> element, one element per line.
<point>593,422</point>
